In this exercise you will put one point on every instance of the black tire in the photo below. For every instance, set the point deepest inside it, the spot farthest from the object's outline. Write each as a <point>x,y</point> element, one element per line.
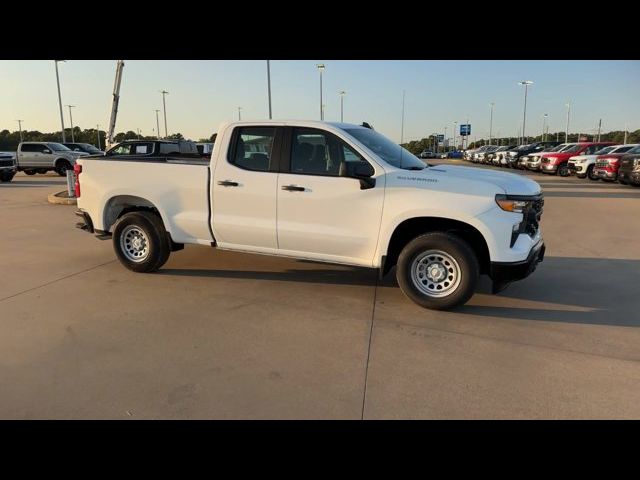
<point>6,176</point>
<point>563,170</point>
<point>467,268</point>
<point>62,166</point>
<point>159,247</point>
<point>30,172</point>
<point>623,182</point>
<point>590,173</point>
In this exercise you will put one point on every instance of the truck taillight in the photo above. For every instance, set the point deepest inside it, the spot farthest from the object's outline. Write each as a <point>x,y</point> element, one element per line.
<point>77,170</point>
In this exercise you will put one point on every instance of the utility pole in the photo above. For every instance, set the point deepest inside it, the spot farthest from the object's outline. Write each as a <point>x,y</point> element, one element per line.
<point>599,127</point>
<point>157,123</point>
<point>164,107</point>
<point>20,128</point>
<point>444,145</point>
<point>138,130</point>
<point>111,130</point>
<point>73,140</point>
<point>98,132</point>
<point>64,138</point>
<point>269,86</point>
<point>544,121</point>
<point>239,116</point>
<point>455,146</point>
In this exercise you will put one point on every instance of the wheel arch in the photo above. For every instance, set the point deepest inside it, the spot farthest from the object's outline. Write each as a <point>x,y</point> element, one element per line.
<point>411,228</point>
<point>119,205</point>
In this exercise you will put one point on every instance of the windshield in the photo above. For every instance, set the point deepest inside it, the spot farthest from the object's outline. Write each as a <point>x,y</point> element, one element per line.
<point>603,151</point>
<point>58,147</point>
<point>90,148</point>
<point>634,150</point>
<point>559,148</point>
<point>390,152</point>
<point>571,148</point>
<point>624,149</point>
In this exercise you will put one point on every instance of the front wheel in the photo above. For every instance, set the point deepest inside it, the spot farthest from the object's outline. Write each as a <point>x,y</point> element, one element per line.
<point>438,271</point>
<point>591,174</point>
<point>6,176</point>
<point>563,170</point>
<point>140,241</point>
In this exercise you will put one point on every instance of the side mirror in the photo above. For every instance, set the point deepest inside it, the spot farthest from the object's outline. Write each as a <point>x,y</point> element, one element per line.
<point>46,150</point>
<point>362,171</point>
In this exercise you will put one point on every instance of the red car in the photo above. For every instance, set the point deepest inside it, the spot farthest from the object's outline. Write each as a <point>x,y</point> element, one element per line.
<point>558,162</point>
<point>607,165</point>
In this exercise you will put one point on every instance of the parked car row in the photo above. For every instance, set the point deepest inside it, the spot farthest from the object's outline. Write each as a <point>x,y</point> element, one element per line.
<point>595,160</point>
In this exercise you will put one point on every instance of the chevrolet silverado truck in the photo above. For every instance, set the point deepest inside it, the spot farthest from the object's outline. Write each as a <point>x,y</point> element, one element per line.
<point>7,167</point>
<point>327,192</point>
<point>607,165</point>
<point>41,157</point>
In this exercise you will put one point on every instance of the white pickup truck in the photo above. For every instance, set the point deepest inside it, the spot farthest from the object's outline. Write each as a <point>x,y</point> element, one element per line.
<point>328,192</point>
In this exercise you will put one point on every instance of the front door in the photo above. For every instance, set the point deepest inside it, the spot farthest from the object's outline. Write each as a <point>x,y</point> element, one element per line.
<point>244,190</point>
<point>320,214</point>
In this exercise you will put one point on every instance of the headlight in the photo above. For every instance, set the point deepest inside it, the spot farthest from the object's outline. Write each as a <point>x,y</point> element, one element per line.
<point>552,159</point>
<point>511,204</point>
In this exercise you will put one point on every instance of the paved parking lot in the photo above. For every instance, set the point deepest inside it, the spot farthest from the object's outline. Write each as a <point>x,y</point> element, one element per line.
<point>226,335</point>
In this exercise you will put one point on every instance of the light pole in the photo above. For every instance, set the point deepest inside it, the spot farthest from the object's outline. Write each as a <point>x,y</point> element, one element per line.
<point>269,86</point>
<point>164,107</point>
<point>73,139</point>
<point>20,128</point>
<point>138,130</point>
<point>455,146</point>
<point>491,123</point>
<point>239,116</point>
<point>526,84</point>
<point>599,127</point>
<point>64,138</point>
<point>98,132</point>
<point>444,145</point>
<point>157,123</point>
<point>544,122</point>
<point>625,133</point>
<point>402,122</point>
<point>320,67</point>
<point>566,133</point>
<point>342,94</point>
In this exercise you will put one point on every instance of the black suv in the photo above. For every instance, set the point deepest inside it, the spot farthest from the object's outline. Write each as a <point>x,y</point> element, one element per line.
<point>629,171</point>
<point>514,155</point>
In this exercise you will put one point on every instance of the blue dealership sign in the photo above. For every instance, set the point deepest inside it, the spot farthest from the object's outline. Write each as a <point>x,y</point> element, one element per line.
<point>465,129</point>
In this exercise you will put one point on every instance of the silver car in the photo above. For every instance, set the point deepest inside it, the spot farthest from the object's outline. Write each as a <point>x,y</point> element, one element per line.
<point>41,157</point>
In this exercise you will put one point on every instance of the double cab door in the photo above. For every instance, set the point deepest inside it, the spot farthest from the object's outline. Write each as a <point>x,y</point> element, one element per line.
<point>278,190</point>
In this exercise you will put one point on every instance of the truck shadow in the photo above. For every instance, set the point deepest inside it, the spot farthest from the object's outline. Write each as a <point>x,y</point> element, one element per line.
<point>598,291</point>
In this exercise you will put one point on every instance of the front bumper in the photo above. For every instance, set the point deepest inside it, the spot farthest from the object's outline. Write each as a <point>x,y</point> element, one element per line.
<point>533,166</point>
<point>548,167</point>
<point>577,169</point>
<point>503,273</point>
<point>87,223</point>
<point>631,177</point>
<point>605,174</point>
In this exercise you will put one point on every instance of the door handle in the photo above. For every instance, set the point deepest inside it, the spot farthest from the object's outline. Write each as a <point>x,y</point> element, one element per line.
<point>292,188</point>
<point>227,183</point>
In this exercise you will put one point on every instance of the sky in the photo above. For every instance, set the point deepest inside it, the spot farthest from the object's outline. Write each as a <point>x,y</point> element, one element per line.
<point>205,93</point>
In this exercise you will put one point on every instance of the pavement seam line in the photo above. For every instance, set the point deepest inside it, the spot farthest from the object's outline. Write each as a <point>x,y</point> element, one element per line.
<point>513,342</point>
<point>366,370</point>
<point>56,280</point>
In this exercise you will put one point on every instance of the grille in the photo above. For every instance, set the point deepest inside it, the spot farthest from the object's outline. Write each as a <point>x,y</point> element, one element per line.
<point>533,216</point>
<point>602,164</point>
<point>6,163</point>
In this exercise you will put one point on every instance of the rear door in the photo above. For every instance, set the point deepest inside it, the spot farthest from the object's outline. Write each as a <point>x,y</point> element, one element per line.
<point>320,214</point>
<point>244,189</point>
<point>29,154</point>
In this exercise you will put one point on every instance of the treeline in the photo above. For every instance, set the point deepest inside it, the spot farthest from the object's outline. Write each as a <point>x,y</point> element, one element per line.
<point>417,146</point>
<point>9,140</point>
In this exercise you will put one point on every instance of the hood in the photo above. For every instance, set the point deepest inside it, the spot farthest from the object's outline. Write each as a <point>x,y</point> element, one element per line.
<point>76,154</point>
<point>509,183</point>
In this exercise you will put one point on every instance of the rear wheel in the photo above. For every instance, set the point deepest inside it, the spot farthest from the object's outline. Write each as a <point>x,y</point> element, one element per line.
<point>141,242</point>
<point>623,182</point>
<point>62,166</point>
<point>30,172</point>
<point>438,271</point>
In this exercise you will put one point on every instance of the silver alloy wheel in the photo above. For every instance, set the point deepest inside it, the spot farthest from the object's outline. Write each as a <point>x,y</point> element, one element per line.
<point>435,273</point>
<point>134,244</point>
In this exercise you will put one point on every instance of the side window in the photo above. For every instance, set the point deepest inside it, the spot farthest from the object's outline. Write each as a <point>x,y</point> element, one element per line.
<point>40,148</point>
<point>592,149</point>
<point>252,148</point>
<point>314,152</point>
<point>121,149</point>
<point>28,147</point>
